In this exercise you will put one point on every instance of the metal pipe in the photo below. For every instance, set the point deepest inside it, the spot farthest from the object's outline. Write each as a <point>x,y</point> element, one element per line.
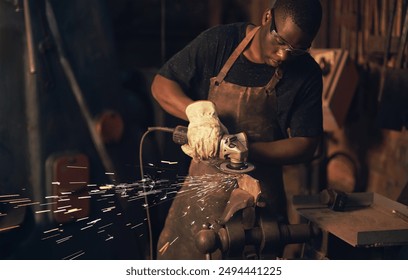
<point>77,92</point>
<point>29,36</point>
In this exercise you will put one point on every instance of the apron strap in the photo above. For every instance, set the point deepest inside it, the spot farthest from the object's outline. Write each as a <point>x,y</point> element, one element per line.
<point>239,49</point>
<point>233,57</point>
<point>274,81</point>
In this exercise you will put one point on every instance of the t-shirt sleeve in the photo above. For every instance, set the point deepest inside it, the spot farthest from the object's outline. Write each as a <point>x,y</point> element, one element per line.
<point>186,65</point>
<point>307,117</point>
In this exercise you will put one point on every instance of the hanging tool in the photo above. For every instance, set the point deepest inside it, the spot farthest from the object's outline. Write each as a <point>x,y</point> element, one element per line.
<point>403,41</point>
<point>387,48</point>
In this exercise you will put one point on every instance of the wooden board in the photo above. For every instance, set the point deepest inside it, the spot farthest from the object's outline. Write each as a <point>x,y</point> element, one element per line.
<point>383,223</point>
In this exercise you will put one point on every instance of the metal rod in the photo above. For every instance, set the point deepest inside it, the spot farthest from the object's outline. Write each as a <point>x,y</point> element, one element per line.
<point>29,35</point>
<point>76,90</point>
<point>403,40</point>
<point>387,49</point>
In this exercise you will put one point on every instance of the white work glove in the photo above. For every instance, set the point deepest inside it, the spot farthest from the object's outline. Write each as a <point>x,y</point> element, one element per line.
<point>205,131</point>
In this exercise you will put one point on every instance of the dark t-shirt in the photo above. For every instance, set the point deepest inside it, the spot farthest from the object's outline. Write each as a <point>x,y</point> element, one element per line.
<point>298,92</point>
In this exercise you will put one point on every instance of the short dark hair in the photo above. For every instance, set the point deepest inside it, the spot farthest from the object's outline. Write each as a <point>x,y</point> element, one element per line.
<point>306,14</point>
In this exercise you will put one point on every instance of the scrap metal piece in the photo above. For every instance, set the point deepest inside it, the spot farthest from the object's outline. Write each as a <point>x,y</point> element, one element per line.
<point>239,200</point>
<point>250,185</point>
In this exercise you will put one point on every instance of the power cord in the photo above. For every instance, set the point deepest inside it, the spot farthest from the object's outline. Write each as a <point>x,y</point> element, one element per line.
<point>149,223</point>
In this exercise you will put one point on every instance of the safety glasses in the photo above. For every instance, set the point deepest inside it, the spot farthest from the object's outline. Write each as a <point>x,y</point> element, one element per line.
<point>282,43</point>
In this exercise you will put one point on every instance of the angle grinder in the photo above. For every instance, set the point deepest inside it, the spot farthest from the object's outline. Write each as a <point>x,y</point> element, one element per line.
<point>232,149</point>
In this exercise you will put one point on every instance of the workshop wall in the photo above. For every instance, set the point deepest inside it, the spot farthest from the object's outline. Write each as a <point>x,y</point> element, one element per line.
<point>374,135</point>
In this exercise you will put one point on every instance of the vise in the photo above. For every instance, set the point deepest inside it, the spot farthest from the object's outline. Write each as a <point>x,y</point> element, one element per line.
<point>247,229</point>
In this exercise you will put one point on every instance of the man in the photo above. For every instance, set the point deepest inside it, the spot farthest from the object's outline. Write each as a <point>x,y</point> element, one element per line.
<point>243,78</point>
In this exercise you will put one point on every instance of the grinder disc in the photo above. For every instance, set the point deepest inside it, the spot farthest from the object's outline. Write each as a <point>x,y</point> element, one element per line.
<point>245,167</point>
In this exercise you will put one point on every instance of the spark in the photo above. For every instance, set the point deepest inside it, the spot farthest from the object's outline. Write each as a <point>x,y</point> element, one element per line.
<point>138,225</point>
<point>94,221</point>
<point>101,227</point>
<point>171,243</point>
<point>59,241</point>
<point>108,209</point>
<point>81,219</point>
<point>42,211</point>
<point>51,230</point>
<point>9,195</point>
<point>49,203</point>
<point>51,236</point>
<point>77,183</point>
<point>66,193</point>
<point>66,206</point>
<point>14,201</point>
<point>169,162</point>
<point>74,255</point>
<point>56,183</point>
<point>163,249</point>
<point>149,192</point>
<point>73,210</point>
<point>8,228</point>
<point>96,191</point>
<point>74,166</point>
<point>87,227</point>
<point>27,204</point>
<point>106,187</point>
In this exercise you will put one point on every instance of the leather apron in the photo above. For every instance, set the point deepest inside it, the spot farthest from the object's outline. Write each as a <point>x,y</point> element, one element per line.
<point>252,110</point>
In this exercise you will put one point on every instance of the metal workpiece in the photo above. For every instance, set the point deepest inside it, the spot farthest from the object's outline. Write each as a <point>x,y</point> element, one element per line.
<point>239,200</point>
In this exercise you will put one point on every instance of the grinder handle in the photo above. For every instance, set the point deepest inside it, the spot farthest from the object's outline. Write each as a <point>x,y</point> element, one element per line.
<point>180,135</point>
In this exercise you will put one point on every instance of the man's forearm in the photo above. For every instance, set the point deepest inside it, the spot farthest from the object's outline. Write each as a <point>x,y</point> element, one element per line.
<point>170,96</point>
<point>282,152</point>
